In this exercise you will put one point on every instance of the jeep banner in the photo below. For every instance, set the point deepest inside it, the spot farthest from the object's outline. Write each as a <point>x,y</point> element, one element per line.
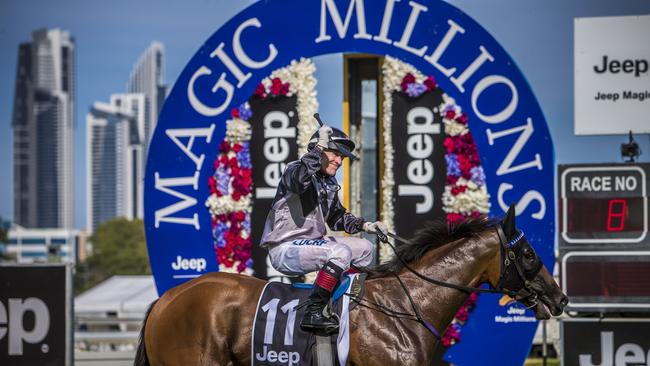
<point>35,315</point>
<point>598,342</point>
<point>419,160</point>
<point>273,144</point>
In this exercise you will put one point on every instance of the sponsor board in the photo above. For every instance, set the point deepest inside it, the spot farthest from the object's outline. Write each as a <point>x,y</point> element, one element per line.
<point>438,39</point>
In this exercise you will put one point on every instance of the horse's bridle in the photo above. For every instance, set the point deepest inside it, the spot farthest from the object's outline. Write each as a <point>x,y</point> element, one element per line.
<point>516,284</point>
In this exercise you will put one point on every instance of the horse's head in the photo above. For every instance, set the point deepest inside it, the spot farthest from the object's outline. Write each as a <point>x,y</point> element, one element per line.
<point>523,273</point>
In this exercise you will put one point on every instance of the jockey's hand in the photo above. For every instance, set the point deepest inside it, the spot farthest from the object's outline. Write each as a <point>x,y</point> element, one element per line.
<point>376,227</point>
<point>324,134</point>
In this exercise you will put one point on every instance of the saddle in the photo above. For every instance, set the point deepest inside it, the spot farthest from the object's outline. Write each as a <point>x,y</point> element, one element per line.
<point>277,338</point>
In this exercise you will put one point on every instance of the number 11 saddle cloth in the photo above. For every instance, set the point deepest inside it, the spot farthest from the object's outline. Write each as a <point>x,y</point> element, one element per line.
<point>277,338</point>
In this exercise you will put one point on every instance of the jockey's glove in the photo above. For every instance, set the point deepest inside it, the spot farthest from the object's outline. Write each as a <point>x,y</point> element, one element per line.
<point>375,227</point>
<point>324,134</point>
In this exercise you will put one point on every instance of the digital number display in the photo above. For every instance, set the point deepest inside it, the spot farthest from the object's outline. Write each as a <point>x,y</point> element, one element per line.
<point>605,215</point>
<point>602,204</point>
<point>599,280</point>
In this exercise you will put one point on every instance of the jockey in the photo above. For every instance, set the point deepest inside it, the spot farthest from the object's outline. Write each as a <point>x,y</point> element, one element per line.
<point>295,229</point>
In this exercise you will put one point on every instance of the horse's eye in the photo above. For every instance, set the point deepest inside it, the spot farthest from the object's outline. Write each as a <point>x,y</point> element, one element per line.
<point>528,254</point>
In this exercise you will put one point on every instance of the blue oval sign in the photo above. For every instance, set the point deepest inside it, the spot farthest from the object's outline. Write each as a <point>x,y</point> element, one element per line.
<point>435,37</point>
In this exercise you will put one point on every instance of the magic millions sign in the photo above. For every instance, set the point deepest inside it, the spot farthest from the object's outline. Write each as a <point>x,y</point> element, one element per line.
<point>438,39</point>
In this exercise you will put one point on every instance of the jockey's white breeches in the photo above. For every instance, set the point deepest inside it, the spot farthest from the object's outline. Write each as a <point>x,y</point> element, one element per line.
<point>302,256</point>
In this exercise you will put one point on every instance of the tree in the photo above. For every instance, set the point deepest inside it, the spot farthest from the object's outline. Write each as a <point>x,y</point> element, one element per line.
<point>119,248</point>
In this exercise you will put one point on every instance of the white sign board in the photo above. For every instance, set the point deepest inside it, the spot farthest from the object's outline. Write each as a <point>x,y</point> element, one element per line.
<point>612,75</point>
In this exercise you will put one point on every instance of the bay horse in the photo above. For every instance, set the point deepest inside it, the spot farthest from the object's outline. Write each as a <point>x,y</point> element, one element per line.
<point>209,320</point>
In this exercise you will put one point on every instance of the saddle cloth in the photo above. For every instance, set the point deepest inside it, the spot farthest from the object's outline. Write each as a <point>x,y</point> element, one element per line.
<point>277,338</point>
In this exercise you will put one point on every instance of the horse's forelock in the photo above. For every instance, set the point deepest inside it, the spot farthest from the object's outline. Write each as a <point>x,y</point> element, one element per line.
<point>433,234</point>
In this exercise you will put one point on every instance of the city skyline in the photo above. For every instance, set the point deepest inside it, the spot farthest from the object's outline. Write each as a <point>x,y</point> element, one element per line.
<point>43,130</point>
<point>111,36</point>
<point>110,39</point>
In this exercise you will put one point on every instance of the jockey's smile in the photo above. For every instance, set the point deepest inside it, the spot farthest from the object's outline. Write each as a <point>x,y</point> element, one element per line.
<point>331,162</point>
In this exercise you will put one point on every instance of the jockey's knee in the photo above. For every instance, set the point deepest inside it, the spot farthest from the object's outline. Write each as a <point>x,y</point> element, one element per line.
<point>341,255</point>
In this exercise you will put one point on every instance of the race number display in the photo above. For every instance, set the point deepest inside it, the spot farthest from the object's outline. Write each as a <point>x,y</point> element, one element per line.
<point>604,243</point>
<point>603,204</point>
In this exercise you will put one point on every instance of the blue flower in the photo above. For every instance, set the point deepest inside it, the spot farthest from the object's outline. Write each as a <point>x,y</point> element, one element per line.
<point>246,224</point>
<point>245,112</point>
<point>415,89</point>
<point>244,156</point>
<point>219,231</point>
<point>223,180</point>
<point>478,175</point>
<point>452,164</point>
<point>249,263</point>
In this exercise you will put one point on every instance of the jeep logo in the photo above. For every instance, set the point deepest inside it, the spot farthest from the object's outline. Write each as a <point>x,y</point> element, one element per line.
<point>15,326</point>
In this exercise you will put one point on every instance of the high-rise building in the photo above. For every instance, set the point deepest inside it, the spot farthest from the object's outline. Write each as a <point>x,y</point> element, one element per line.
<point>43,125</point>
<point>114,144</point>
<point>147,78</point>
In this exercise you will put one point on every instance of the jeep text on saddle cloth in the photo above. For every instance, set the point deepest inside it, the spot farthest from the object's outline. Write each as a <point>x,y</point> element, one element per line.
<point>436,38</point>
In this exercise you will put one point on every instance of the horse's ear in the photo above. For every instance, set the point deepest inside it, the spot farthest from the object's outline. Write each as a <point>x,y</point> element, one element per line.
<point>508,224</point>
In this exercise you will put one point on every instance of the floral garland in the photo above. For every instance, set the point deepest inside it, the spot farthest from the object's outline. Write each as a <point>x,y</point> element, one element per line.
<point>230,200</point>
<point>230,195</point>
<point>295,79</point>
<point>465,192</point>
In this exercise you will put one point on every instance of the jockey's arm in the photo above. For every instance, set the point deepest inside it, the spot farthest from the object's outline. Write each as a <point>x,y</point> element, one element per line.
<point>297,176</point>
<point>339,219</point>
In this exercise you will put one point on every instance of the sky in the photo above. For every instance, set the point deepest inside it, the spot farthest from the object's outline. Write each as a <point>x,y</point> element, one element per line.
<point>111,35</point>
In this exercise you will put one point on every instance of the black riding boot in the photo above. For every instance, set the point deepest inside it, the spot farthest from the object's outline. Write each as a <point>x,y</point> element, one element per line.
<point>314,320</point>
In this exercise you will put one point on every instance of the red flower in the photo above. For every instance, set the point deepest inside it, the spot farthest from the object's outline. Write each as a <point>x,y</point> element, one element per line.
<point>233,162</point>
<point>458,190</point>
<point>449,144</point>
<point>462,314</point>
<point>224,159</point>
<point>212,183</point>
<point>452,179</point>
<point>408,78</point>
<point>450,114</point>
<point>236,195</point>
<point>236,148</point>
<point>238,216</point>
<point>234,113</point>
<point>284,90</point>
<point>260,91</point>
<point>224,147</point>
<point>462,118</point>
<point>276,86</point>
<point>430,83</point>
<point>454,218</point>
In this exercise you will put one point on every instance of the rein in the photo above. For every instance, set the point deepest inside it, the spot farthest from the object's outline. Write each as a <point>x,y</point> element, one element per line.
<point>507,254</point>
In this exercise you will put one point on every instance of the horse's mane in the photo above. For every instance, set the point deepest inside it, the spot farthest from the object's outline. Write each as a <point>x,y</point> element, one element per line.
<point>433,235</point>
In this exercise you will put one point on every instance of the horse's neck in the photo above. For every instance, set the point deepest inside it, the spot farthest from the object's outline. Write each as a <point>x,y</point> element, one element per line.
<point>463,262</point>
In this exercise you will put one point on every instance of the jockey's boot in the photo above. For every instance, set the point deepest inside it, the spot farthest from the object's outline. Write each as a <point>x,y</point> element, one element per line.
<point>314,319</point>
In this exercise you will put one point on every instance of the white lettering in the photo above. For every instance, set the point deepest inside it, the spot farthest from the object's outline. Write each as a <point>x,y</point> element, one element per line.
<point>485,83</point>
<point>242,56</point>
<point>434,57</point>
<point>523,203</point>
<point>197,264</point>
<point>385,22</point>
<point>164,214</point>
<point>506,166</point>
<point>408,30</point>
<point>471,69</point>
<point>342,27</point>
<point>222,84</point>
<point>192,133</point>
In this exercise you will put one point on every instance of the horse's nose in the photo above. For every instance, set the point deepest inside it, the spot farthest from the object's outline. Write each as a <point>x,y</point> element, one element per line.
<point>564,301</point>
